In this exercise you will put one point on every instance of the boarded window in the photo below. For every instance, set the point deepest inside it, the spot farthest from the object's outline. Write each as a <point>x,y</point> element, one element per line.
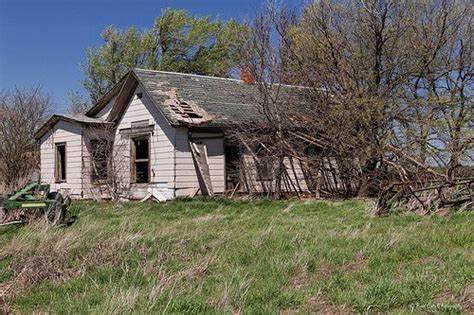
<point>101,150</point>
<point>60,162</point>
<point>140,172</point>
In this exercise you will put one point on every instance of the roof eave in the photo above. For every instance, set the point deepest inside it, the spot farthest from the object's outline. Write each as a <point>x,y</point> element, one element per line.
<point>55,118</point>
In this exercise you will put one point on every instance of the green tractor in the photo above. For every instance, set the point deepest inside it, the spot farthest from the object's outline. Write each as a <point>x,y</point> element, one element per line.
<point>32,202</point>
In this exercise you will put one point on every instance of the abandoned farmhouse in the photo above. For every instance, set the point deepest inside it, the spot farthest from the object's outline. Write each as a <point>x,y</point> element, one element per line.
<point>157,132</point>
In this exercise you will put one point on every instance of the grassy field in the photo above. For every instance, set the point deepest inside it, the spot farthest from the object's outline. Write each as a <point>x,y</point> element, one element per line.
<point>253,257</point>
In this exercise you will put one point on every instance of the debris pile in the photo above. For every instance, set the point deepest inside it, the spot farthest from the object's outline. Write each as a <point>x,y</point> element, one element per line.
<point>427,197</point>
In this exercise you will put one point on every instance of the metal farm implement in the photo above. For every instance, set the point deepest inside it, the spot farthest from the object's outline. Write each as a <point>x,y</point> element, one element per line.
<point>33,202</point>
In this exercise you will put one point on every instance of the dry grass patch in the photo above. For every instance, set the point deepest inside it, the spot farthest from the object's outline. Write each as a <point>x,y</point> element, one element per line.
<point>320,304</point>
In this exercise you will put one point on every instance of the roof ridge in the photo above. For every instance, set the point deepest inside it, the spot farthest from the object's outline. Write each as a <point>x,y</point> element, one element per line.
<point>188,74</point>
<point>219,78</point>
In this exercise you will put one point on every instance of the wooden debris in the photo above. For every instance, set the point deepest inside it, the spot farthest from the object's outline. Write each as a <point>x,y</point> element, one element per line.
<point>199,152</point>
<point>427,197</point>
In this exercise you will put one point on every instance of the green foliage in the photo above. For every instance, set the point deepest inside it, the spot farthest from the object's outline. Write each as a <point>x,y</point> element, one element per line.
<point>177,42</point>
<point>254,256</point>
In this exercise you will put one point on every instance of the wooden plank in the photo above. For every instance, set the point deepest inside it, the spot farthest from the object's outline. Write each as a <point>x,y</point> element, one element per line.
<point>199,152</point>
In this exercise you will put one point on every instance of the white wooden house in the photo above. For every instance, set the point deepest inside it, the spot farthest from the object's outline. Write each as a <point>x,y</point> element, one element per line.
<point>168,137</point>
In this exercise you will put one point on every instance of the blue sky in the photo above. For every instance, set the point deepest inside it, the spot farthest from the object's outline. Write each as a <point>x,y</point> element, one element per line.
<point>44,41</point>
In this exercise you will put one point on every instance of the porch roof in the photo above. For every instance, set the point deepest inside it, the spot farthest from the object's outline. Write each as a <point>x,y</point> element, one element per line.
<point>80,119</point>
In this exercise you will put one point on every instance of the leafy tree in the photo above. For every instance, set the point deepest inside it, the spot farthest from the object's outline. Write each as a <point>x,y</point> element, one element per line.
<point>177,42</point>
<point>108,63</point>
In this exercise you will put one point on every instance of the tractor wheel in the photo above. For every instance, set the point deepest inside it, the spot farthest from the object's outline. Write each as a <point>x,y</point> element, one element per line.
<point>54,208</point>
<point>61,212</point>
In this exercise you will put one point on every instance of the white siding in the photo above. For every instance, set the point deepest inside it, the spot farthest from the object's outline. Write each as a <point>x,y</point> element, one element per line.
<point>69,133</point>
<point>161,146</point>
<point>172,168</point>
<point>186,174</point>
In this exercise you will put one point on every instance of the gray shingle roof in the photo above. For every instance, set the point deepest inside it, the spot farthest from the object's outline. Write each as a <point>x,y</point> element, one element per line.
<point>81,118</point>
<point>227,101</point>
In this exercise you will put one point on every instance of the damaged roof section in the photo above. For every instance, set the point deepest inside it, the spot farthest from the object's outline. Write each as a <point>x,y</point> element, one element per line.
<point>197,100</point>
<point>187,99</point>
<point>177,110</point>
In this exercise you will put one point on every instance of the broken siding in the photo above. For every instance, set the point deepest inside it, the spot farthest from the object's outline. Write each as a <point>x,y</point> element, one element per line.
<point>69,133</point>
<point>186,174</point>
<point>161,144</point>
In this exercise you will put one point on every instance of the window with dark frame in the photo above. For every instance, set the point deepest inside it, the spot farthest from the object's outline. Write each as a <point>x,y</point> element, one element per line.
<point>141,160</point>
<point>100,151</point>
<point>60,162</point>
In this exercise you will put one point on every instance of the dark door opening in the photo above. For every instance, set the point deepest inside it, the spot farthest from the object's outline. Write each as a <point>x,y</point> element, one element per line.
<point>232,166</point>
<point>60,162</point>
<point>140,160</point>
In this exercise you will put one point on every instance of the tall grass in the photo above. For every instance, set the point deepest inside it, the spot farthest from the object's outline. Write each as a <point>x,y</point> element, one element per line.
<point>250,256</point>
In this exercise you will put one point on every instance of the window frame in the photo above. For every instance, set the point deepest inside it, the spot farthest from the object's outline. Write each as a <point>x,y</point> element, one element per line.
<point>134,160</point>
<point>96,178</point>
<point>58,171</point>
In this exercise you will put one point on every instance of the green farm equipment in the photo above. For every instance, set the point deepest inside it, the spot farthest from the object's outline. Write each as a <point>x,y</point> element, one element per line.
<point>33,201</point>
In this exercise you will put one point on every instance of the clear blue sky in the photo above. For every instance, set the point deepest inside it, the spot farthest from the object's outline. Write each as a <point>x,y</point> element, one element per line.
<point>44,41</point>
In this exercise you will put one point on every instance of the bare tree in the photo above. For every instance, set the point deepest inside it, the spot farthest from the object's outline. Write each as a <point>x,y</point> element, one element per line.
<point>78,103</point>
<point>387,97</point>
<point>22,111</point>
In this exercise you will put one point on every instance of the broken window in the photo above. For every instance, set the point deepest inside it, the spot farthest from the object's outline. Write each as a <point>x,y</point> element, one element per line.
<point>100,151</point>
<point>140,160</point>
<point>60,162</point>
<point>265,164</point>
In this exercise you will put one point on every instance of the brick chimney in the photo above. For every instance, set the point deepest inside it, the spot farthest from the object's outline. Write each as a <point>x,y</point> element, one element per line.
<point>246,75</point>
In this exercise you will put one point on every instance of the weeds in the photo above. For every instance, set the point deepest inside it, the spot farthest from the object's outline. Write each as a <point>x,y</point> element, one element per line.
<point>250,256</point>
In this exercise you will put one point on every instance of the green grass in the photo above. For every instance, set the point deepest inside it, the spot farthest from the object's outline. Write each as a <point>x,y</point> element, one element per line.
<point>254,256</point>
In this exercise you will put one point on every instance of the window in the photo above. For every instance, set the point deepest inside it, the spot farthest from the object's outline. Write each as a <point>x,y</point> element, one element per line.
<point>100,151</point>
<point>232,165</point>
<point>60,162</point>
<point>265,167</point>
<point>312,150</point>
<point>140,160</point>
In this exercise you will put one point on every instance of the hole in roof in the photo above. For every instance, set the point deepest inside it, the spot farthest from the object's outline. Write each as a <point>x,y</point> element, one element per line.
<point>194,115</point>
